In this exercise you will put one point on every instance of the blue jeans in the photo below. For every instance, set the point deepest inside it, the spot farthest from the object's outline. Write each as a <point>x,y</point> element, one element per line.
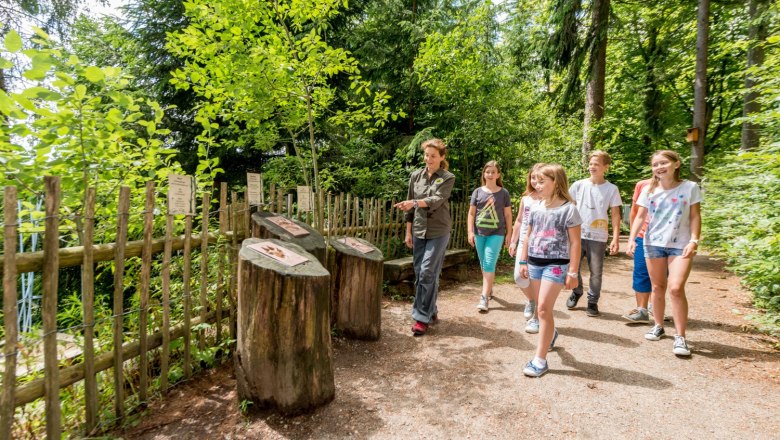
<point>594,251</point>
<point>428,257</point>
<point>488,250</point>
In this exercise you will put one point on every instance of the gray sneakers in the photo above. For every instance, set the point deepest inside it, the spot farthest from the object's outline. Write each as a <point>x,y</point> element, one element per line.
<point>532,326</point>
<point>655,333</point>
<point>530,308</point>
<point>680,347</point>
<point>637,315</point>
<point>483,304</point>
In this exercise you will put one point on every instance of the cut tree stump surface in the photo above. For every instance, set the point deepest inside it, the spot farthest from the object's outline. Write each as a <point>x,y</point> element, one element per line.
<point>464,378</point>
<point>314,242</point>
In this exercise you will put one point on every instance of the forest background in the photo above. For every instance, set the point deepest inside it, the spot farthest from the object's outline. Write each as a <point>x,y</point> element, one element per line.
<point>339,94</point>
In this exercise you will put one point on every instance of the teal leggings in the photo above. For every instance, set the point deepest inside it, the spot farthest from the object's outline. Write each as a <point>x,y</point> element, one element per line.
<point>488,250</point>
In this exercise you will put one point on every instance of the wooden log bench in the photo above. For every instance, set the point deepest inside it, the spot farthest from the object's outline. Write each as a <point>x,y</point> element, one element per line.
<point>402,269</point>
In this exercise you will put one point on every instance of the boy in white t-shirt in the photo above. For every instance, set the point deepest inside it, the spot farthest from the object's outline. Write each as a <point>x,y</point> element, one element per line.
<point>598,202</point>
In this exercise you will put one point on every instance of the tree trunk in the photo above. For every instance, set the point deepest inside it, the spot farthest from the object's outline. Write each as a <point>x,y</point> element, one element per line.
<point>594,95</point>
<point>652,54</point>
<point>283,356</point>
<point>700,90</point>
<point>313,243</point>
<point>751,136</point>
<point>356,286</point>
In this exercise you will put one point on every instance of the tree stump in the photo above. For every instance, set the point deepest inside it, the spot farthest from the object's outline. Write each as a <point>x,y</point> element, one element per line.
<point>284,356</point>
<point>356,286</point>
<point>313,243</point>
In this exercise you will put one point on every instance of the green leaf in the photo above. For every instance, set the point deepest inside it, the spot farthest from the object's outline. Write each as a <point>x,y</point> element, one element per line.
<point>13,42</point>
<point>94,74</point>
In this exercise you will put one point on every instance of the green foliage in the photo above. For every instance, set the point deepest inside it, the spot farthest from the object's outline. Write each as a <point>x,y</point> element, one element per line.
<point>285,68</point>
<point>78,122</point>
<point>742,207</point>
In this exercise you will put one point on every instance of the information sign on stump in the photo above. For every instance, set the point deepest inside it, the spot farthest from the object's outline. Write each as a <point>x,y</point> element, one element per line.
<point>272,225</point>
<point>356,279</point>
<point>284,356</point>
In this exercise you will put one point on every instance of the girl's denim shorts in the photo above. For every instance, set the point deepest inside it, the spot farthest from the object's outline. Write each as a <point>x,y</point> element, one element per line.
<point>554,272</point>
<point>661,252</point>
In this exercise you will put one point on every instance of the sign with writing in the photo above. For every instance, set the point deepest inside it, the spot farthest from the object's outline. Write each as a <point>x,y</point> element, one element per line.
<point>181,194</point>
<point>304,199</point>
<point>288,225</point>
<point>254,189</point>
<point>278,253</point>
<point>357,245</point>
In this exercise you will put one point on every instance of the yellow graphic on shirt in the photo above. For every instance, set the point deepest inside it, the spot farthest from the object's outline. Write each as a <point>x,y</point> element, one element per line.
<point>599,224</point>
<point>487,218</point>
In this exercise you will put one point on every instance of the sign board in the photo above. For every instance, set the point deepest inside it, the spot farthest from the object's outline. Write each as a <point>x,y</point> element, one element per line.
<point>181,194</point>
<point>357,245</point>
<point>288,225</point>
<point>254,189</point>
<point>278,253</point>
<point>304,199</point>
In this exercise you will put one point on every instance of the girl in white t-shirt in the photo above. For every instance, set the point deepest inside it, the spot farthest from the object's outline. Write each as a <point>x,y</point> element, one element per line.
<point>530,199</point>
<point>672,206</point>
<point>550,249</point>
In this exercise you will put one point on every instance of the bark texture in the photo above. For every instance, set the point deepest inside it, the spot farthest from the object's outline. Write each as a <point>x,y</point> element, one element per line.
<point>356,289</point>
<point>284,355</point>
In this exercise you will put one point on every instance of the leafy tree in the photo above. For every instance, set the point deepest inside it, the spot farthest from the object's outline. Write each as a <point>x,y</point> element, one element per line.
<point>285,67</point>
<point>76,121</point>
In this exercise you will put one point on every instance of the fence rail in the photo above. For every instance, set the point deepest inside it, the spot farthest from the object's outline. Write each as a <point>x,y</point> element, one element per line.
<point>201,310</point>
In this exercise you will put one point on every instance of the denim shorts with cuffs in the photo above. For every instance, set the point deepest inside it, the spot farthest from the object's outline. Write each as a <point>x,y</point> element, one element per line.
<point>652,252</point>
<point>555,273</point>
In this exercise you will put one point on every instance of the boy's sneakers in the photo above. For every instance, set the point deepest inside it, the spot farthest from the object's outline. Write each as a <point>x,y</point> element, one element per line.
<point>572,301</point>
<point>483,304</point>
<point>592,310</point>
<point>552,343</point>
<point>655,333</point>
<point>532,326</point>
<point>532,370</point>
<point>530,308</point>
<point>680,347</point>
<point>637,315</point>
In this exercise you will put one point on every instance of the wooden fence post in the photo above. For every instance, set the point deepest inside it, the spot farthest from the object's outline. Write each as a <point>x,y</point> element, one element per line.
<point>51,270</point>
<point>9,312</point>
<point>166,304</point>
<point>146,270</point>
<point>204,267</point>
<point>88,300</point>
<point>119,273</point>
<point>221,255</point>
<point>187,294</point>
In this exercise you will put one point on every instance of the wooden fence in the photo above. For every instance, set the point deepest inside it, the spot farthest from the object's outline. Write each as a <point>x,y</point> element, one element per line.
<point>202,309</point>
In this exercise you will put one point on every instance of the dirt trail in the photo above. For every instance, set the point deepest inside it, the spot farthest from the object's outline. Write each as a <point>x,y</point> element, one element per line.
<point>464,379</point>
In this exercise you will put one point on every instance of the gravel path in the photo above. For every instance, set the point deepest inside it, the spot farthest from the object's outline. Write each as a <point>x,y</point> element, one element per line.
<point>463,379</point>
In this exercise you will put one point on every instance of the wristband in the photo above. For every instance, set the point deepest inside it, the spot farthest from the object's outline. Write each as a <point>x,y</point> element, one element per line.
<point>694,241</point>
<point>512,244</point>
<point>522,262</point>
<point>572,274</point>
<point>414,203</point>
